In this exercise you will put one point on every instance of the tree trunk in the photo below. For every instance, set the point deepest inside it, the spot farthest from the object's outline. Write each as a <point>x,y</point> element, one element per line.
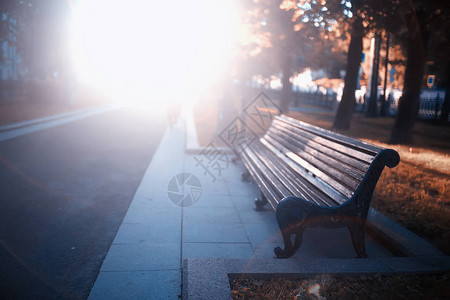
<point>286,92</point>
<point>445,110</point>
<point>402,132</point>
<point>384,99</point>
<point>373,98</point>
<point>345,110</point>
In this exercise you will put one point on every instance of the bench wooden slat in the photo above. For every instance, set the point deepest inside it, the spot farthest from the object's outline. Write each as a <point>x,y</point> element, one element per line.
<point>338,138</point>
<point>319,184</point>
<point>331,166</point>
<point>291,179</point>
<point>299,188</point>
<point>330,143</point>
<point>271,194</point>
<point>338,186</point>
<point>327,146</point>
<point>329,170</point>
<point>314,146</point>
<point>266,172</point>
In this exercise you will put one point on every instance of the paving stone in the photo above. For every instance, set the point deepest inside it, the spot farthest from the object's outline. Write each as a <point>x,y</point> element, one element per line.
<point>204,215</point>
<point>157,215</point>
<point>217,250</point>
<point>142,257</point>
<point>213,188</point>
<point>154,200</point>
<point>326,243</point>
<point>263,233</point>
<point>223,233</point>
<point>151,185</point>
<point>243,203</point>
<point>136,233</point>
<point>137,285</point>
<point>239,188</point>
<point>156,196</point>
<point>265,250</point>
<point>252,216</point>
<point>215,201</point>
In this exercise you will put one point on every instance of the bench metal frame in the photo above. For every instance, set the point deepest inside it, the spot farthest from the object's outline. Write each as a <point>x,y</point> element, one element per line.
<point>315,177</point>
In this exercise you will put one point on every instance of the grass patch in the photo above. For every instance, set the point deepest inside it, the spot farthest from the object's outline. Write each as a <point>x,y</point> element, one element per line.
<point>422,286</point>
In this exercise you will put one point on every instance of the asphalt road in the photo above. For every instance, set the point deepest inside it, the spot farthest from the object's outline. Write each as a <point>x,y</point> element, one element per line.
<point>63,194</point>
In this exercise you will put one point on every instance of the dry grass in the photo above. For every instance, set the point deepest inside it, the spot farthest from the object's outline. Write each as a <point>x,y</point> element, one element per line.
<point>429,286</point>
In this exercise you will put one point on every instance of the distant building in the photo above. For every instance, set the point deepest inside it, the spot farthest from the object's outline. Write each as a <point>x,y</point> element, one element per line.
<point>9,59</point>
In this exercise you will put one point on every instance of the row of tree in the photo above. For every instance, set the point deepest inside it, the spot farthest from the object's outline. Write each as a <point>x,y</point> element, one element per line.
<point>295,34</point>
<point>287,36</point>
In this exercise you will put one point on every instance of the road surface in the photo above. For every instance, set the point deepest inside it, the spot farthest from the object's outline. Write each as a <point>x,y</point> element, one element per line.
<point>63,194</point>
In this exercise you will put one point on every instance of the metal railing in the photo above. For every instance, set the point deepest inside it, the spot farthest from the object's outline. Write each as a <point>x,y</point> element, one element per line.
<point>429,107</point>
<point>319,99</point>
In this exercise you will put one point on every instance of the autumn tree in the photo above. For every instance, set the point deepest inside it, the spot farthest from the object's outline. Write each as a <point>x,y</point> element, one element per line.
<point>338,17</point>
<point>289,43</point>
<point>415,64</point>
<point>274,43</point>
<point>342,19</point>
<point>354,54</point>
<point>425,21</point>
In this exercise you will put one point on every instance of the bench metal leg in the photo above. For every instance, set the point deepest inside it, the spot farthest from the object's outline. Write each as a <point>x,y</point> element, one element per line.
<point>357,232</point>
<point>295,214</point>
<point>246,176</point>
<point>290,249</point>
<point>260,203</point>
<point>291,215</point>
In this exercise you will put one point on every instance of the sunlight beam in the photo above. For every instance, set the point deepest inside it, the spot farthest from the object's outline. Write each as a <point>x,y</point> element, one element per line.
<point>151,49</point>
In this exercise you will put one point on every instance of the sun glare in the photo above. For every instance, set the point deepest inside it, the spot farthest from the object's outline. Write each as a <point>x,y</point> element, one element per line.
<point>152,49</point>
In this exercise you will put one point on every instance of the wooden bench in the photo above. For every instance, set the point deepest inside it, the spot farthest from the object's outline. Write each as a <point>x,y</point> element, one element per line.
<point>315,177</point>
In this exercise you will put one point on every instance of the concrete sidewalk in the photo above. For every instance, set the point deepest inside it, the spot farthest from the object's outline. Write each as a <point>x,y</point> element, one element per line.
<point>145,259</point>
